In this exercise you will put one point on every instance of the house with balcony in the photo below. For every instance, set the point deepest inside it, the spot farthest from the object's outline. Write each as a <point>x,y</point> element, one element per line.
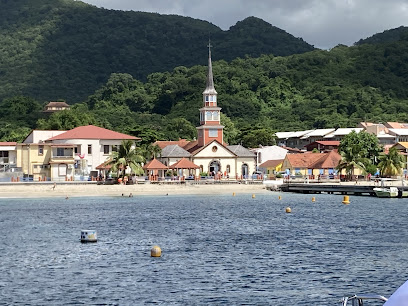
<point>78,152</point>
<point>67,155</point>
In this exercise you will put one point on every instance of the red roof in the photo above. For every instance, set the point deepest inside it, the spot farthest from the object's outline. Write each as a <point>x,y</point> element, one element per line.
<point>184,164</point>
<point>303,160</point>
<point>104,166</point>
<point>164,143</point>
<point>8,143</point>
<point>92,132</point>
<point>328,142</point>
<point>291,150</point>
<point>329,160</point>
<point>273,163</point>
<point>154,164</point>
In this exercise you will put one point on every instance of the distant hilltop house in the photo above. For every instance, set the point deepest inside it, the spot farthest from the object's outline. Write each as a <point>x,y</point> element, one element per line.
<point>53,107</point>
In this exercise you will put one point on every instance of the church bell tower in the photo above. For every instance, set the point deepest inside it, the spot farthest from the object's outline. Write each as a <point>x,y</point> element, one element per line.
<point>211,128</point>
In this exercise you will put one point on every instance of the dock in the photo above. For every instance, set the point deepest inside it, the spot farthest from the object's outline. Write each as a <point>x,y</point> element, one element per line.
<point>345,189</point>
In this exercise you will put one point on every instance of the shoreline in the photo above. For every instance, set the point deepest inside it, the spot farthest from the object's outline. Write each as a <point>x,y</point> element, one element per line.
<point>93,190</point>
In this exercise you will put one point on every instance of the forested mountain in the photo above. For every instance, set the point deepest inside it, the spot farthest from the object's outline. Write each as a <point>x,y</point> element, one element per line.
<point>105,60</point>
<point>66,49</point>
<point>258,96</point>
<point>386,36</point>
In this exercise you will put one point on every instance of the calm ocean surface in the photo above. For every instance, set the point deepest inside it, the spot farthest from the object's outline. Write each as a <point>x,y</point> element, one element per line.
<point>215,250</point>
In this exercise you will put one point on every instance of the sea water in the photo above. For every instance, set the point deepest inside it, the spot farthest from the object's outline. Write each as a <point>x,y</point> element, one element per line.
<point>216,249</point>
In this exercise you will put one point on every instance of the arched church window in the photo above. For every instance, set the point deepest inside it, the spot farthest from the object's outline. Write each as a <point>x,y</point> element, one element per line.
<point>215,115</point>
<point>209,116</point>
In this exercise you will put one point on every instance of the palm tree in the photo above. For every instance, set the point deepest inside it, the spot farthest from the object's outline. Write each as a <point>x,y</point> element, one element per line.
<point>391,164</point>
<point>151,151</point>
<point>127,156</point>
<point>351,161</point>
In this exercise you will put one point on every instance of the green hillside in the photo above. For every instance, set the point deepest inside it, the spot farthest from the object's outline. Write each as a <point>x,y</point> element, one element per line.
<point>386,36</point>
<point>66,49</point>
<point>258,96</point>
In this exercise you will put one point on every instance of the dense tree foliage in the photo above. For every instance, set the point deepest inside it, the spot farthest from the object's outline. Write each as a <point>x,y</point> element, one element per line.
<point>386,36</point>
<point>359,150</point>
<point>67,49</point>
<point>258,95</point>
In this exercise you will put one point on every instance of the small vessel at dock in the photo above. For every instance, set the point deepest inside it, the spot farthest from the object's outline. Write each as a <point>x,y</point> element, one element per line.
<point>386,192</point>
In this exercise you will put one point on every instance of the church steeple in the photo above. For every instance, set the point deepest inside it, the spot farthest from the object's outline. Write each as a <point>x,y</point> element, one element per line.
<point>210,89</point>
<point>210,114</point>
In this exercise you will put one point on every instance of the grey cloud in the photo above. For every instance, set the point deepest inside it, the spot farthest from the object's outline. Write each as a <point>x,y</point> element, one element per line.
<point>323,23</point>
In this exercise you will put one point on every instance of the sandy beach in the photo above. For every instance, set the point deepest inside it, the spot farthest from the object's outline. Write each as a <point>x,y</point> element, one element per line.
<point>93,190</point>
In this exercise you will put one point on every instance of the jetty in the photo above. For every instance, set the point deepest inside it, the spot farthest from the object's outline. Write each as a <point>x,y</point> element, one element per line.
<point>362,188</point>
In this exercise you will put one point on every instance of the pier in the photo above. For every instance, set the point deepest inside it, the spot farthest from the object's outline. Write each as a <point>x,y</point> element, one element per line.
<point>339,188</point>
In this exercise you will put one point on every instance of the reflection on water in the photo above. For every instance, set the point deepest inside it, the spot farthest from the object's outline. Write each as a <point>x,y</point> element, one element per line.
<point>215,249</point>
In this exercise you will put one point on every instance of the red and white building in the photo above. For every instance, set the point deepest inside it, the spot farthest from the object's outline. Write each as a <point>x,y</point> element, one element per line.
<point>209,151</point>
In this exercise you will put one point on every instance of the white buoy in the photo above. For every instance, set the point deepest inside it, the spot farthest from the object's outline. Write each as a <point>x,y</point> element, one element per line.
<point>88,236</point>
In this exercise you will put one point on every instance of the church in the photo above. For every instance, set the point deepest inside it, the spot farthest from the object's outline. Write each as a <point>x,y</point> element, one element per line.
<point>209,152</point>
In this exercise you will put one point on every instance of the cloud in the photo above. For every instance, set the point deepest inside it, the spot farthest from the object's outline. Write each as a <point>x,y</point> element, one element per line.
<point>323,23</point>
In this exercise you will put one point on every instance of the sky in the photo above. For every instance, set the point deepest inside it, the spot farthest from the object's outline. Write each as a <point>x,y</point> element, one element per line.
<point>322,23</point>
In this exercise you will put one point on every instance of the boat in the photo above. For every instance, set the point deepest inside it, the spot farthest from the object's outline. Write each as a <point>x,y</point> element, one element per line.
<point>386,192</point>
<point>359,299</point>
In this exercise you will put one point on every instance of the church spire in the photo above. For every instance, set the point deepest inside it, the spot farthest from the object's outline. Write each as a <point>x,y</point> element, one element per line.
<point>209,89</point>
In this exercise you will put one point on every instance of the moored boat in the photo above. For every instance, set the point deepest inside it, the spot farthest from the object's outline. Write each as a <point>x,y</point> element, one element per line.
<point>386,192</point>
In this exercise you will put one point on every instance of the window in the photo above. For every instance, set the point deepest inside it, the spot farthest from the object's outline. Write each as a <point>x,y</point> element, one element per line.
<point>115,148</point>
<point>228,169</point>
<point>209,116</point>
<point>40,150</point>
<point>214,149</point>
<point>206,98</point>
<point>200,133</point>
<point>215,115</point>
<point>213,133</point>
<point>60,151</point>
<point>106,149</point>
<point>90,149</point>
<point>77,150</point>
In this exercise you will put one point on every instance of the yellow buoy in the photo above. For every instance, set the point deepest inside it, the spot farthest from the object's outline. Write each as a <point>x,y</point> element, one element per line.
<point>155,251</point>
<point>346,199</point>
<point>233,194</point>
<point>288,210</point>
<point>253,196</point>
<point>280,198</point>
<point>313,199</point>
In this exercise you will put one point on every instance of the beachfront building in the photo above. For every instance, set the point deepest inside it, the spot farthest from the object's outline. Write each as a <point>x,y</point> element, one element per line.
<point>8,156</point>
<point>67,155</point>
<point>311,164</point>
<point>209,152</point>
<point>271,167</point>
